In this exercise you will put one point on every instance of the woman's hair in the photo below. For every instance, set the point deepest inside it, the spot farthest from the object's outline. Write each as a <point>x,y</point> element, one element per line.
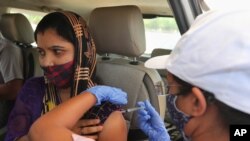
<point>230,115</point>
<point>59,23</point>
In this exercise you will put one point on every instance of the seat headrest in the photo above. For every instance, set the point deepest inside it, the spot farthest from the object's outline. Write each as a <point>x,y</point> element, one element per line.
<point>118,30</point>
<point>17,28</point>
<point>160,51</point>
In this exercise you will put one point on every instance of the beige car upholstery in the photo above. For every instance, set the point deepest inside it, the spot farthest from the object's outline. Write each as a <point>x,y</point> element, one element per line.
<point>159,52</point>
<point>120,31</point>
<point>16,27</point>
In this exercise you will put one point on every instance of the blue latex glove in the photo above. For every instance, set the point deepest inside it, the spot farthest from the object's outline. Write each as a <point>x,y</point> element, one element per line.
<point>151,123</point>
<point>107,93</point>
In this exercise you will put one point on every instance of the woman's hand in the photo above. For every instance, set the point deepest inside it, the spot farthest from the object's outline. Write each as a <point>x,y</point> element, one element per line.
<point>88,127</point>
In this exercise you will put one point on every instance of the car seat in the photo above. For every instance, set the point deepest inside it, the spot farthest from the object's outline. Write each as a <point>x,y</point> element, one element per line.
<point>120,39</point>
<point>159,52</point>
<point>17,28</point>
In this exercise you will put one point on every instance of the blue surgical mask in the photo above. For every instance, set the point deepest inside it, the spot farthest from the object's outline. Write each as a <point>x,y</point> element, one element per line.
<point>178,117</point>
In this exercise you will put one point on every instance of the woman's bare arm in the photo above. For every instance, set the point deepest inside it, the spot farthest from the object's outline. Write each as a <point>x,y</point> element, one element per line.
<point>114,128</point>
<point>57,124</point>
<point>61,119</point>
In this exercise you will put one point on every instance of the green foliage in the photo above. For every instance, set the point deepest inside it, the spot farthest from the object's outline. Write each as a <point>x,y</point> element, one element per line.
<point>163,24</point>
<point>34,18</point>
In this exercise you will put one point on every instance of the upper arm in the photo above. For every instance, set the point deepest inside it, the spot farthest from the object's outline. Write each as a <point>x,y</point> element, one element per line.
<point>114,128</point>
<point>11,63</point>
<point>11,71</point>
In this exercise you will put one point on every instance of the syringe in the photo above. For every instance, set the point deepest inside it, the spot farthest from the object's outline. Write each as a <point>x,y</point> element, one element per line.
<point>131,109</point>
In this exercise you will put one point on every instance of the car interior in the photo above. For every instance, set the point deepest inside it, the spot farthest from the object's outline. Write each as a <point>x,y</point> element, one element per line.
<point>121,32</point>
<point>125,27</point>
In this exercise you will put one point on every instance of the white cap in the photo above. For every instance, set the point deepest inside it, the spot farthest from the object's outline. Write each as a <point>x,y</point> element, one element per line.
<point>214,55</point>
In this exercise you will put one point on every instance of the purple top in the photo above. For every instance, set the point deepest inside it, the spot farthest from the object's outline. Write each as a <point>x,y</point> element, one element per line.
<point>28,108</point>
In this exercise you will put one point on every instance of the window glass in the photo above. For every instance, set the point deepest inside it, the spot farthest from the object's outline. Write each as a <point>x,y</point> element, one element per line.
<point>161,32</point>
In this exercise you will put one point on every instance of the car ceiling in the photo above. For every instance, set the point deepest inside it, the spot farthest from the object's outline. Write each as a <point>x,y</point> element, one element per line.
<point>84,7</point>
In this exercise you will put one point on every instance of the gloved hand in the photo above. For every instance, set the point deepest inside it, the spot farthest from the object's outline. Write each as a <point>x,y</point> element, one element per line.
<point>151,123</point>
<point>107,93</point>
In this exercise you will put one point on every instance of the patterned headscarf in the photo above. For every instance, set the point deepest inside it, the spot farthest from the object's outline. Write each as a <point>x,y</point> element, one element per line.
<point>84,62</point>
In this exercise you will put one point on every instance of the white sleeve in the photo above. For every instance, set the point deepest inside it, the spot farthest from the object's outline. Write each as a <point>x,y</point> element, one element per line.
<point>11,62</point>
<point>80,138</point>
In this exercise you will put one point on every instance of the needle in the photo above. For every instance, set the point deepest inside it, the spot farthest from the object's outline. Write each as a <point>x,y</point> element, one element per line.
<point>131,109</point>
